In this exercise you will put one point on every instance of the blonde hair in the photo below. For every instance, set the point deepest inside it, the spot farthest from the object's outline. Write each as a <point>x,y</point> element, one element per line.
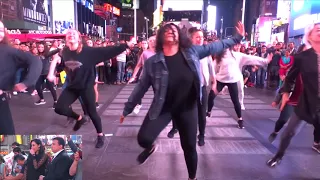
<point>80,41</point>
<point>307,33</point>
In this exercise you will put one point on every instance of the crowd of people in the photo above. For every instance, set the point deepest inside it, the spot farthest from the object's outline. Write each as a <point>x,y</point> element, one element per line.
<point>179,96</point>
<point>39,163</point>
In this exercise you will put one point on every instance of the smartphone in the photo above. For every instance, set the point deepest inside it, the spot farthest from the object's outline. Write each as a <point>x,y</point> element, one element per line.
<point>80,153</point>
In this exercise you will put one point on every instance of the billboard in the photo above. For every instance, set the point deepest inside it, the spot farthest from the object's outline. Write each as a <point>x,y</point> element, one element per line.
<point>178,5</point>
<point>283,10</point>
<point>127,4</point>
<point>35,11</point>
<point>303,13</point>
<point>263,33</point>
<point>212,17</point>
<point>87,3</point>
<point>63,16</point>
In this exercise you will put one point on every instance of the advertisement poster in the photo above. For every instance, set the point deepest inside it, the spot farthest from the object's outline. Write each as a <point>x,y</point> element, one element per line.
<point>35,11</point>
<point>190,5</point>
<point>63,16</point>
<point>283,10</point>
<point>264,29</point>
<point>303,13</point>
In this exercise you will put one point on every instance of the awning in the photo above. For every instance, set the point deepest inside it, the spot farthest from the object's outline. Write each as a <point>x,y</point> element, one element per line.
<point>35,37</point>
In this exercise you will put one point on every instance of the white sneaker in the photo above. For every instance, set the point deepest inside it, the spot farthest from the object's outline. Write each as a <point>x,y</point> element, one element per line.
<point>242,107</point>
<point>137,109</point>
<point>34,93</point>
<point>15,93</point>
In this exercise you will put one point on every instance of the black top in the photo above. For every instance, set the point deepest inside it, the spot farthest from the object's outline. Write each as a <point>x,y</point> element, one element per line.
<point>46,60</point>
<point>11,60</point>
<point>35,166</point>
<point>306,65</point>
<point>276,58</point>
<point>80,67</point>
<point>181,93</point>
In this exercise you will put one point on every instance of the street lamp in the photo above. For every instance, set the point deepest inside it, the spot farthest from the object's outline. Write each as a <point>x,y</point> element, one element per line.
<point>147,27</point>
<point>221,29</point>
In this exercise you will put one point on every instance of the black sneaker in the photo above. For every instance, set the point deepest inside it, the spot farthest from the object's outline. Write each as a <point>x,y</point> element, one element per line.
<point>240,124</point>
<point>201,140</point>
<point>316,147</point>
<point>54,105</point>
<point>100,141</point>
<point>79,123</point>
<point>274,161</point>
<point>40,102</point>
<point>208,114</point>
<point>69,121</point>
<point>272,137</point>
<point>97,105</point>
<point>172,132</point>
<point>143,157</point>
<point>87,119</point>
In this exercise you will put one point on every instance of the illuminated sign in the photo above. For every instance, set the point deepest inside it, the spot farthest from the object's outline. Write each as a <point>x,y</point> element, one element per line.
<point>4,153</point>
<point>18,31</point>
<point>303,13</point>
<point>116,11</point>
<point>107,7</point>
<point>127,3</point>
<point>63,21</point>
<point>176,5</point>
<point>87,3</point>
<point>35,12</point>
<point>157,16</point>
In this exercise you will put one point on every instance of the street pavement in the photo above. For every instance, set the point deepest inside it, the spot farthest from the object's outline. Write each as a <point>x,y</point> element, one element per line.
<point>229,153</point>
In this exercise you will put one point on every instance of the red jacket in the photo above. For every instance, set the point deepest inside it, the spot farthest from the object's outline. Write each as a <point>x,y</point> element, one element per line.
<point>298,88</point>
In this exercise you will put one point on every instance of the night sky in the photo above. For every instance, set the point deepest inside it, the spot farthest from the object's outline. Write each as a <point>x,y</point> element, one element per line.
<point>225,8</point>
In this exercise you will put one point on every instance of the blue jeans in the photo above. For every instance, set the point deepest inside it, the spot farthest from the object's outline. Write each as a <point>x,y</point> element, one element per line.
<point>18,76</point>
<point>121,70</point>
<point>261,76</point>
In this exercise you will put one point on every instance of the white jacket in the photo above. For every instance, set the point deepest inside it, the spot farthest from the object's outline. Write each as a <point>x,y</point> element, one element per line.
<point>229,69</point>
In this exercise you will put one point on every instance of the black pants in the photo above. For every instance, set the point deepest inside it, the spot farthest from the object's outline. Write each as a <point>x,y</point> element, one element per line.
<point>284,117</point>
<point>233,91</point>
<point>6,122</point>
<point>273,76</point>
<point>187,126</point>
<point>202,109</point>
<point>108,75</point>
<point>69,96</point>
<point>294,125</point>
<point>40,84</point>
<point>316,132</point>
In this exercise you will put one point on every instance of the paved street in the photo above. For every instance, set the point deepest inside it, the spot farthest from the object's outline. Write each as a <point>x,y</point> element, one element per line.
<point>229,153</point>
